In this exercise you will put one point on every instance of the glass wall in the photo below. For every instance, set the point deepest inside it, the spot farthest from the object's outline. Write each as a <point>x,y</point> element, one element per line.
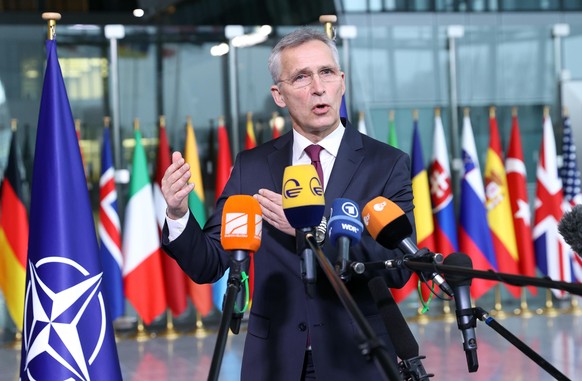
<point>398,62</point>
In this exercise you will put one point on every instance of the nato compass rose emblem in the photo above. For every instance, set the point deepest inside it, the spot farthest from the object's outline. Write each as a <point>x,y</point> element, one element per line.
<point>65,321</point>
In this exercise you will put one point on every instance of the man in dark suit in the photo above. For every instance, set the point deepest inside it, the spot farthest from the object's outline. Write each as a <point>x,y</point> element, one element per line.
<point>292,335</point>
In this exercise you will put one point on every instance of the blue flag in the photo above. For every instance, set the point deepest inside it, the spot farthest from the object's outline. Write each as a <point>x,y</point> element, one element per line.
<point>67,333</point>
<point>110,232</point>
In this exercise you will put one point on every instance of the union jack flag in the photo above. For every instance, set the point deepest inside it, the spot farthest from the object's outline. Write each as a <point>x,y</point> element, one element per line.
<point>552,252</point>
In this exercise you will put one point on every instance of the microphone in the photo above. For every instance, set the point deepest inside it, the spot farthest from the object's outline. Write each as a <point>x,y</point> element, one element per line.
<point>303,205</point>
<point>570,227</point>
<point>388,225</point>
<point>240,233</point>
<point>466,320</point>
<point>405,344</point>
<point>345,230</point>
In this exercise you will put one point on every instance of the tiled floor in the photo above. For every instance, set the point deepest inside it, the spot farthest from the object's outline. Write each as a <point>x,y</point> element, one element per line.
<point>557,339</point>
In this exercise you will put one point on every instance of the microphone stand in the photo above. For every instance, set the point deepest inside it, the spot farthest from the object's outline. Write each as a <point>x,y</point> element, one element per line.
<point>237,266</point>
<point>482,315</point>
<point>371,346</point>
<point>516,280</point>
<point>512,279</point>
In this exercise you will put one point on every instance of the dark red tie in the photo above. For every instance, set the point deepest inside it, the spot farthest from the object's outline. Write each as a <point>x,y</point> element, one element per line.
<point>313,153</point>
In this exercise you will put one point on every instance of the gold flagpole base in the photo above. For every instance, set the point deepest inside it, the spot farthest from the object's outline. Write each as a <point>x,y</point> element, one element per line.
<point>549,310</point>
<point>575,308</point>
<point>448,315</point>
<point>523,309</point>
<point>200,330</point>
<point>498,309</point>
<point>142,334</point>
<point>17,343</point>
<point>170,333</point>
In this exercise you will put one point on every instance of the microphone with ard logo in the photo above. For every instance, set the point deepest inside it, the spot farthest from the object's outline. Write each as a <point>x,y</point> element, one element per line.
<point>303,205</point>
<point>241,230</point>
<point>390,227</point>
<point>345,230</point>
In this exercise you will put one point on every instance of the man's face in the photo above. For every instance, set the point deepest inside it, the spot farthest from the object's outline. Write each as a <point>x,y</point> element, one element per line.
<point>314,108</point>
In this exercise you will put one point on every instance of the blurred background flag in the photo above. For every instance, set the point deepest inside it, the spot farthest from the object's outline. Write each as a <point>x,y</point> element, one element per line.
<point>517,186</point>
<point>474,233</point>
<point>13,233</point>
<point>552,252</point>
<point>251,140</point>
<point>223,168</point>
<point>67,331</point>
<point>175,281</point>
<point>142,262</point>
<point>200,294</point>
<point>441,192</point>
<point>110,231</point>
<point>498,206</point>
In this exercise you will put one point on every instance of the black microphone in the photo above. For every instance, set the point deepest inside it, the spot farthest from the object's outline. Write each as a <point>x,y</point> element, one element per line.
<point>345,230</point>
<point>303,204</point>
<point>466,320</point>
<point>570,227</point>
<point>389,226</point>
<point>405,344</point>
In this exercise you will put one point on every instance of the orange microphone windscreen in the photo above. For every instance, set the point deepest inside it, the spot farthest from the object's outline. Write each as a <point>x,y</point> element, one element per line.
<point>242,223</point>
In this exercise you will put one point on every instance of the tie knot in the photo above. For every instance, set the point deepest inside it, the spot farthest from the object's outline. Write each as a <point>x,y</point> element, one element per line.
<point>313,151</point>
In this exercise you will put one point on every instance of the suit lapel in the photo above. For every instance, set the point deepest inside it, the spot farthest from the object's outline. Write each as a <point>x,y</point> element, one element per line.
<point>279,159</point>
<point>348,160</point>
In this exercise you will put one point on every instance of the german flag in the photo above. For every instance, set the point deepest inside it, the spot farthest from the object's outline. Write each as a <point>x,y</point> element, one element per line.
<point>13,236</point>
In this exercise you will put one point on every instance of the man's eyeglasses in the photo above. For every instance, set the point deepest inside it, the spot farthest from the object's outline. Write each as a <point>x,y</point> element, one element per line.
<point>306,78</point>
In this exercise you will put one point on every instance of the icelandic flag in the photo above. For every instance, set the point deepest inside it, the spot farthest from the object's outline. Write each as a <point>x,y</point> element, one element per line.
<point>110,232</point>
<point>441,192</point>
<point>474,234</point>
<point>67,332</point>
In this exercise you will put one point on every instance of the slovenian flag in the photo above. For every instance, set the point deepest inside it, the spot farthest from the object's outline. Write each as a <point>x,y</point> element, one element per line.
<point>474,234</point>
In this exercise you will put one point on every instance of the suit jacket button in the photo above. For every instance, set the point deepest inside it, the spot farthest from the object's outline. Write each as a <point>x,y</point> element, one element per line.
<point>302,326</point>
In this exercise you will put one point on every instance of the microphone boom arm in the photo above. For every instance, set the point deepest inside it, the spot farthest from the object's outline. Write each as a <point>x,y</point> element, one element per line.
<point>372,345</point>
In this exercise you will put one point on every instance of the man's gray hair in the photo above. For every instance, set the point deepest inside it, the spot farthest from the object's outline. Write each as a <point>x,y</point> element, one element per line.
<point>294,39</point>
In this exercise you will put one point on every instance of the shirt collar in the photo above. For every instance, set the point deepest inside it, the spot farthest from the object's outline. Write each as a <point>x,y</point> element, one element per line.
<point>330,143</point>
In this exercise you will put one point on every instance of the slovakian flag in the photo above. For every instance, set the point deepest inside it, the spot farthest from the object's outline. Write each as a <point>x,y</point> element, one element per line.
<point>498,206</point>
<point>200,294</point>
<point>441,193</point>
<point>517,186</point>
<point>175,281</point>
<point>13,234</point>
<point>570,175</point>
<point>422,205</point>
<point>67,332</point>
<point>110,232</point>
<point>142,254</point>
<point>552,252</point>
<point>474,233</point>
<point>250,140</point>
<point>223,168</point>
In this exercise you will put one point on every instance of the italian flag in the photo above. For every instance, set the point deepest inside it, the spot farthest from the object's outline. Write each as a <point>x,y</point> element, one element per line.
<point>142,268</point>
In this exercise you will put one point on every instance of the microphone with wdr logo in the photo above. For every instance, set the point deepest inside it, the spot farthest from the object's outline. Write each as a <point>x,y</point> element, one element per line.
<point>303,204</point>
<point>390,227</point>
<point>345,230</point>
<point>242,226</point>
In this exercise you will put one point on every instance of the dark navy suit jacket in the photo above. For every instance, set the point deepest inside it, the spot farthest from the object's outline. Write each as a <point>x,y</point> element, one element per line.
<point>282,313</point>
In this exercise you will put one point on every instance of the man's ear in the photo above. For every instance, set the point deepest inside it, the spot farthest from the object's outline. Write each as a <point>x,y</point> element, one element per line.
<point>278,97</point>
